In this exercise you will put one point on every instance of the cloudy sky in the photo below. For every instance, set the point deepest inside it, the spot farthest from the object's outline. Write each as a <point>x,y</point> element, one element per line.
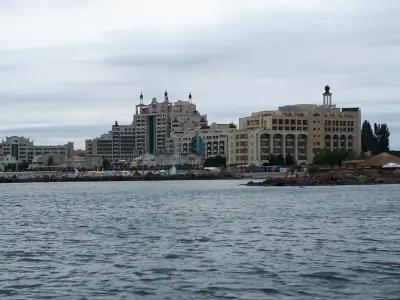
<point>69,68</point>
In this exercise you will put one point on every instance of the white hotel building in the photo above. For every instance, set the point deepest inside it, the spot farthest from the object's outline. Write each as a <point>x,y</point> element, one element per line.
<point>301,131</point>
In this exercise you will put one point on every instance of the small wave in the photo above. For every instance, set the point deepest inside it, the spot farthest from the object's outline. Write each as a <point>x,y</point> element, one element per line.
<point>203,239</point>
<point>162,270</point>
<point>269,291</point>
<point>185,241</point>
<point>143,293</point>
<point>23,286</point>
<point>32,259</point>
<point>172,256</point>
<point>329,276</point>
<point>6,292</point>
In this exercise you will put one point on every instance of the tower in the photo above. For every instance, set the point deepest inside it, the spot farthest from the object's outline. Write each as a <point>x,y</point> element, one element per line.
<point>166,96</point>
<point>140,102</point>
<point>327,96</point>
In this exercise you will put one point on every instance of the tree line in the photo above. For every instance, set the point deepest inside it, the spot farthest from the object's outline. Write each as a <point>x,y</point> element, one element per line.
<point>374,141</point>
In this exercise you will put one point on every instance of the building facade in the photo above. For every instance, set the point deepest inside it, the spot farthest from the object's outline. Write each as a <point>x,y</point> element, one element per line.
<point>158,128</point>
<point>23,150</point>
<point>116,145</point>
<point>208,141</point>
<point>301,131</point>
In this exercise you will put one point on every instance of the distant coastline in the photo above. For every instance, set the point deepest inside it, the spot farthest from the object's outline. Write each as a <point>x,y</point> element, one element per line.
<point>47,178</point>
<point>319,178</point>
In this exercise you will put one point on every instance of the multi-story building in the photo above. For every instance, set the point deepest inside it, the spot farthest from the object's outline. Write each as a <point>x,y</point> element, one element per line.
<point>301,131</point>
<point>157,129</point>
<point>23,149</point>
<point>160,125</point>
<point>208,141</point>
<point>116,145</point>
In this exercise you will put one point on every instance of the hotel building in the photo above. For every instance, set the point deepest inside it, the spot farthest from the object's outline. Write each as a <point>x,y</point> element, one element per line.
<point>301,131</point>
<point>158,128</point>
<point>160,125</point>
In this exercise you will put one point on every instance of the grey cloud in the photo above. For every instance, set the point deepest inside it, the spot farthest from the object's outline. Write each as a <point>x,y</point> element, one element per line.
<point>62,134</point>
<point>250,62</point>
<point>176,60</point>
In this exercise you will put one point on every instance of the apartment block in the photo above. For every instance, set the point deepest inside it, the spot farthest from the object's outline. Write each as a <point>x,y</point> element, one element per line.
<point>23,150</point>
<point>208,141</point>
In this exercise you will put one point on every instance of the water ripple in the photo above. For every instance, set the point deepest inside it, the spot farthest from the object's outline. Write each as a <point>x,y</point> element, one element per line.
<point>198,240</point>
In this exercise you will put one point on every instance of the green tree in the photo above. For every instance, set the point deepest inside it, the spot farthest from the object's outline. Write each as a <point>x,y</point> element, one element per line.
<point>368,139</point>
<point>331,158</point>
<point>280,160</point>
<point>50,161</point>
<point>382,137</point>
<point>317,160</point>
<point>289,160</point>
<point>215,161</point>
<point>10,168</point>
<point>23,166</point>
<point>376,141</point>
<point>272,160</point>
<point>106,163</point>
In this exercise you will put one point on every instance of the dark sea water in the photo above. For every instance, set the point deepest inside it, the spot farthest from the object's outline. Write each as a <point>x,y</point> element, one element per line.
<point>198,240</point>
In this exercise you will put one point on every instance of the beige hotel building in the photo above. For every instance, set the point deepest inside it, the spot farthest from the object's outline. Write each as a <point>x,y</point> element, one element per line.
<point>301,130</point>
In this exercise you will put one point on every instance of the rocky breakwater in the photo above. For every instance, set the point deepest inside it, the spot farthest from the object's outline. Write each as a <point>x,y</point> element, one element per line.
<point>335,177</point>
<point>61,178</point>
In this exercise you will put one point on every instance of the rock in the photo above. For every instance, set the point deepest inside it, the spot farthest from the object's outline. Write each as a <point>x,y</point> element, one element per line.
<point>362,179</point>
<point>348,175</point>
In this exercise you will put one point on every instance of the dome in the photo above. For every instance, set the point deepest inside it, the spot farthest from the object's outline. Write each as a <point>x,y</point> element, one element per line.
<point>327,88</point>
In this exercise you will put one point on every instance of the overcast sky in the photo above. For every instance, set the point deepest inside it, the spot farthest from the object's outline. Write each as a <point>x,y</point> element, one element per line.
<point>69,68</point>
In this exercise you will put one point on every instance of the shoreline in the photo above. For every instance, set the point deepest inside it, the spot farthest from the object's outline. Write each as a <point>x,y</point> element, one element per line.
<point>50,179</point>
<point>335,178</point>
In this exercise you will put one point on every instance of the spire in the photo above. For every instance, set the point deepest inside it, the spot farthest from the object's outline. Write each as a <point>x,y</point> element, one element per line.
<point>141,97</point>
<point>166,96</point>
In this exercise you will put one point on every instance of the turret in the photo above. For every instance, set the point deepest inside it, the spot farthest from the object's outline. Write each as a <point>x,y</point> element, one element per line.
<point>166,96</point>
<point>327,96</point>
